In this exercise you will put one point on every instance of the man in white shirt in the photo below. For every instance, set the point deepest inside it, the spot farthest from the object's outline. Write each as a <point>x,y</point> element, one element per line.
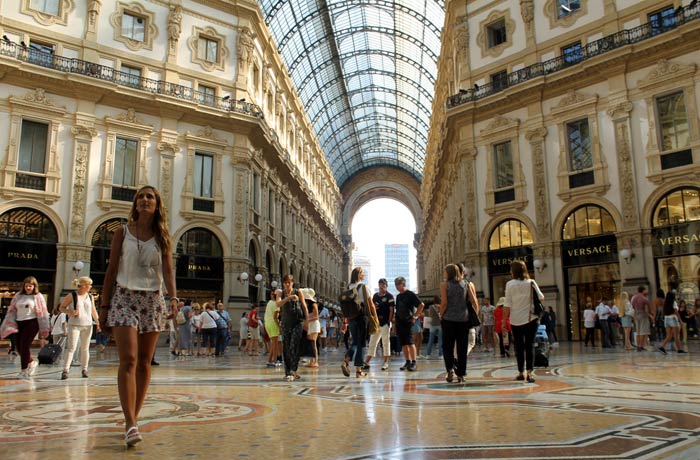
<point>612,321</point>
<point>602,311</point>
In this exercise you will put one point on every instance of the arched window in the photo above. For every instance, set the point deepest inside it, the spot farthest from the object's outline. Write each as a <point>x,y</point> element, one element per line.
<point>105,232</point>
<point>200,242</point>
<point>677,207</point>
<point>588,220</point>
<point>27,224</point>
<point>508,234</point>
<point>252,260</point>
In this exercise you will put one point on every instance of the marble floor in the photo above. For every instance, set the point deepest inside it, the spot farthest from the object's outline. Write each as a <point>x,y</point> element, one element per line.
<point>587,405</point>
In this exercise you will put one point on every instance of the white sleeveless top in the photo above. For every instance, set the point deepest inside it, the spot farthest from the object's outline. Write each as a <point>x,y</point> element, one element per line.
<point>84,318</point>
<point>140,266</point>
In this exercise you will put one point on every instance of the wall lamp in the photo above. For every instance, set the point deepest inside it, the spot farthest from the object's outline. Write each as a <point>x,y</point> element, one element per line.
<point>627,255</point>
<point>539,265</point>
<point>77,266</point>
<point>243,277</point>
<point>258,277</point>
<point>273,284</point>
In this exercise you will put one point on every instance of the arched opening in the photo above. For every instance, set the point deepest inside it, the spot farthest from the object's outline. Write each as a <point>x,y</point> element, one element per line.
<point>28,246</point>
<point>676,235</point>
<point>101,244</point>
<point>383,231</point>
<point>590,262</point>
<point>268,279</point>
<point>199,270</point>
<point>510,240</point>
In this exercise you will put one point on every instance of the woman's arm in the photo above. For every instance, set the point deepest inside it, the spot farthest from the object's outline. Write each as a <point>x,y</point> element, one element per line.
<point>63,308</point>
<point>370,303</point>
<point>443,298</point>
<point>115,252</point>
<point>168,276</point>
<point>303,304</point>
<point>472,297</point>
<point>537,288</point>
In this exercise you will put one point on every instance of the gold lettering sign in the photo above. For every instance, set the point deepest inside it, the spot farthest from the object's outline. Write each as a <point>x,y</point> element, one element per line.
<point>22,255</point>
<point>578,252</point>
<point>509,260</point>
<point>680,239</point>
<point>198,268</point>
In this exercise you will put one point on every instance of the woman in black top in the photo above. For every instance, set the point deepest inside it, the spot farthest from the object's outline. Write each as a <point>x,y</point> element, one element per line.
<point>293,312</point>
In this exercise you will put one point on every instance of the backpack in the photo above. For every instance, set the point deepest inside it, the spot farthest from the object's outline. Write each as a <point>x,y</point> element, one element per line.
<point>180,318</point>
<point>74,295</point>
<point>350,303</point>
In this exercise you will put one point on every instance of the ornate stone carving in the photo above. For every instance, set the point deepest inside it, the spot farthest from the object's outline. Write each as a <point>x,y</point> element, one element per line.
<point>571,98</point>
<point>246,45</point>
<point>536,138</point>
<point>150,29</point>
<point>130,117</point>
<point>174,27</point>
<point>83,131</point>
<point>165,182</point>
<point>93,11</point>
<point>38,96</point>
<point>472,232</point>
<point>482,38</point>
<point>499,122</point>
<point>664,71</point>
<point>461,34</point>
<point>165,146</point>
<point>626,175</point>
<point>208,133</point>
<point>240,208</point>
<point>77,228</point>
<point>620,111</point>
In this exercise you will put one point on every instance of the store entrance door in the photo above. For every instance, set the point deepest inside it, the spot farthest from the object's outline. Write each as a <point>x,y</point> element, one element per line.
<point>592,282</point>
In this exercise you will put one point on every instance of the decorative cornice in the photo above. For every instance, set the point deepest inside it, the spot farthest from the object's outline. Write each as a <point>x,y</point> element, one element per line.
<point>664,71</point>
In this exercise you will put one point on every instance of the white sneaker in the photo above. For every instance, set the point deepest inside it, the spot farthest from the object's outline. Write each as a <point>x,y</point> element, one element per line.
<point>385,366</point>
<point>31,369</point>
<point>23,375</point>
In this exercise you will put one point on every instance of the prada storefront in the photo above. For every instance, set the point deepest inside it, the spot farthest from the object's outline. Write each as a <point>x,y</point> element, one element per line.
<point>27,248</point>
<point>510,241</point>
<point>199,270</point>
<point>676,236</point>
<point>590,263</point>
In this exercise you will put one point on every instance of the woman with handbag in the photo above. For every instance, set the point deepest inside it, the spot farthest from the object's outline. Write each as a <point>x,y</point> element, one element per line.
<point>26,315</point>
<point>519,308</point>
<point>454,320</point>
<point>358,325</point>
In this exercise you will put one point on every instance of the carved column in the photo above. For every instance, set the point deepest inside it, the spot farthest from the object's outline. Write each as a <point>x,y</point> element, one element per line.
<point>81,154</point>
<point>460,44</point>
<point>174,30</point>
<point>238,262</point>
<point>93,13</point>
<point>623,144</point>
<point>168,149</point>
<point>527,11</point>
<point>542,217</point>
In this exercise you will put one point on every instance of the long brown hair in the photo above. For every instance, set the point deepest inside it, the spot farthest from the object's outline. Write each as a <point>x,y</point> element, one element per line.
<point>452,271</point>
<point>519,270</point>
<point>355,275</point>
<point>31,280</point>
<point>160,222</point>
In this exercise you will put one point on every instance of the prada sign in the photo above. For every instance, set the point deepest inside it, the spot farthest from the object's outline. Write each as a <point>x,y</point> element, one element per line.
<point>676,240</point>
<point>500,260</point>
<point>200,267</point>
<point>27,255</point>
<point>589,251</point>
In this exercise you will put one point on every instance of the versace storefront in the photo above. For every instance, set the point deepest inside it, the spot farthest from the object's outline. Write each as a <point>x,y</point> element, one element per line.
<point>676,243</point>
<point>590,263</point>
<point>510,241</point>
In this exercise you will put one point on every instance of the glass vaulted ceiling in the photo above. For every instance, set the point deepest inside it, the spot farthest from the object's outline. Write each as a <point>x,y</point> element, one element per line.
<point>365,71</point>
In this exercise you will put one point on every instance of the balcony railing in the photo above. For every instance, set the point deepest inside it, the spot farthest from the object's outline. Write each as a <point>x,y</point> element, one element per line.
<point>591,50</point>
<point>31,181</point>
<point>101,72</point>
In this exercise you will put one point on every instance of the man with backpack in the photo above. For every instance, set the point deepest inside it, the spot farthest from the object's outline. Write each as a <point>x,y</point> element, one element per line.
<point>408,309</point>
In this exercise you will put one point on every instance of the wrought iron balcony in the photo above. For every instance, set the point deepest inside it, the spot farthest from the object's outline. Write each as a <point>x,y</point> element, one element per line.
<point>604,45</point>
<point>101,72</point>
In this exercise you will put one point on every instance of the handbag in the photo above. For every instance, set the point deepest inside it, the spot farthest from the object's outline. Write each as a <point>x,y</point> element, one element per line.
<point>472,316</point>
<point>372,319</point>
<point>537,307</point>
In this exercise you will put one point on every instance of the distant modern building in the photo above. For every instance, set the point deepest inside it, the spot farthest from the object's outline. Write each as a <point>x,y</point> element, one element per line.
<point>396,264</point>
<point>362,260</point>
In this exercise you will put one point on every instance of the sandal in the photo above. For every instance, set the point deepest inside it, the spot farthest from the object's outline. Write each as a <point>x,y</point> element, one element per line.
<point>530,378</point>
<point>450,376</point>
<point>360,373</point>
<point>520,377</point>
<point>346,370</point>
<point>460,379</point>
<point>132,436</point>
<point>297,376</point>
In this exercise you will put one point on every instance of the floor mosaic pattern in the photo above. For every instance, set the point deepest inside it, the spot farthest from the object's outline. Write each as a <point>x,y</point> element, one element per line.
<point>586,405</point>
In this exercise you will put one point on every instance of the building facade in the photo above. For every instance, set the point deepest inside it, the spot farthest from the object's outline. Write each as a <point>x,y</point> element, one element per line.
<point>566,134</point>
<point>396,264</point>
<point>98,98</point>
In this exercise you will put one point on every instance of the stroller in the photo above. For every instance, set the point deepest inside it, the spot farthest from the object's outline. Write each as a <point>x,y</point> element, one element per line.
<point>541,347</point>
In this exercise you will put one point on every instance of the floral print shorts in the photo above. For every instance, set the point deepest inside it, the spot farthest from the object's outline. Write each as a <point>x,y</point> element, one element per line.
<point>143,310</point>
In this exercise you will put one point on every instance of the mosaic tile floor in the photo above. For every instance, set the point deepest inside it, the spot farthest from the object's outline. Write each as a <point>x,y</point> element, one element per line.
<point>592,405</point>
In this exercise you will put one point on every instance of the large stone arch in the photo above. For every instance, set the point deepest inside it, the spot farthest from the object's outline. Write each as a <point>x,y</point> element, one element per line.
<point>215,230</point>
<point>380,182</point>
<point>498,220</point>
<point>560,218</point>
<point>61,230</point>
<point>657,194</point>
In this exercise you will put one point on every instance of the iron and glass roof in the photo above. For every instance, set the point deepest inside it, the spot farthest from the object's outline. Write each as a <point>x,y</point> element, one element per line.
<point>365,71</point>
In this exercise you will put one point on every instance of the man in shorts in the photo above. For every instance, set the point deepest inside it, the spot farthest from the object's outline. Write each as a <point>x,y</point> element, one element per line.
<point>408,309</point>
